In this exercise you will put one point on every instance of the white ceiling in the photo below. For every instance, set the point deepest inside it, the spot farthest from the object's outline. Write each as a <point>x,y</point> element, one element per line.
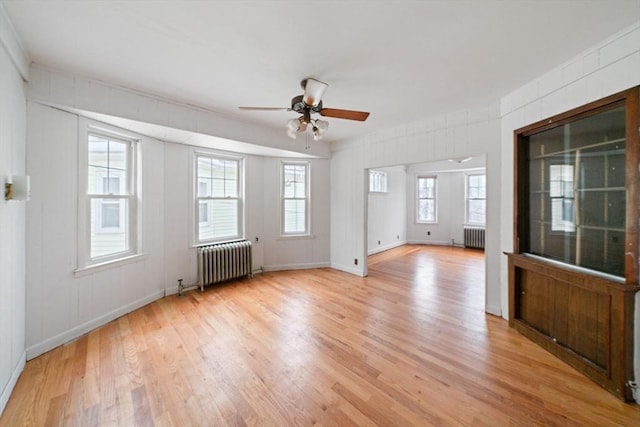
<point>400,60</point>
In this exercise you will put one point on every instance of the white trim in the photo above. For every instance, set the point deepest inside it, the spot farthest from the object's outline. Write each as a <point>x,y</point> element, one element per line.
<point>494,310</point>
<point>435,243</point>
<point>387,247</point>
<point>108,265</point>
<point>71,334</point>
<point>357,270</point>
<point>13,380</point>
<point>304,266</point>
<point>13,45</point>
<point>296,237</point>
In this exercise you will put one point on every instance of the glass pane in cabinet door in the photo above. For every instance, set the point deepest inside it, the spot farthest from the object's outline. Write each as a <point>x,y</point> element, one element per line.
<point>577,199</point>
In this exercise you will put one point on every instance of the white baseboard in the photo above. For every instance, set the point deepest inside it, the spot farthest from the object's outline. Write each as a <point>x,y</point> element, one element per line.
<point>435,243</point>
<point>492,309</point>
<point>73,333</point>
<point>348,269</point>
<point>386,247</point>
<point>304,266</point>
<point>8,388</point>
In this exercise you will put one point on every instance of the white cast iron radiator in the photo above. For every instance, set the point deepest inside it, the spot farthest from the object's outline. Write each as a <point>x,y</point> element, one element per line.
<point>224,261</point>
<point>473,237</point>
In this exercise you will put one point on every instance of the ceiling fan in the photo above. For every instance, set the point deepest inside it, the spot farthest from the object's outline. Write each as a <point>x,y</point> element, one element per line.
<point>311,103</point>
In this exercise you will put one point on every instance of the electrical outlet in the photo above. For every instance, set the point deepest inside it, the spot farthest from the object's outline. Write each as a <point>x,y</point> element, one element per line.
<point>355,261</point>
<point>257,239</point>
<point>398,237</point>
<point>378,241</point>
<point>428,233</point>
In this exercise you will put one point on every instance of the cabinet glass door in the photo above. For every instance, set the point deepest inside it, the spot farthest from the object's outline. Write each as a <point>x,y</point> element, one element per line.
<point>576,192</point>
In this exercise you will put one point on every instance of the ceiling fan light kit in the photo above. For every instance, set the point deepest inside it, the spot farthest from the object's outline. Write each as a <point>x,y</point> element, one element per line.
<point>311,103</point>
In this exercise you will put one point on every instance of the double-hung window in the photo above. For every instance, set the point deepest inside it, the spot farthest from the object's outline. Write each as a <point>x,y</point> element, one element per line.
<point>426,200</point>
<point>111,194</point>
<point>476,199</point>
<point>218,201</point>
<point>295,198</point>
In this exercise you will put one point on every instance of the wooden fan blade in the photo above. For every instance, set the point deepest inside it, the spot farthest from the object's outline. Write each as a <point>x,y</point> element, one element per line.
<point>360,116</point>
<point>263,108</point>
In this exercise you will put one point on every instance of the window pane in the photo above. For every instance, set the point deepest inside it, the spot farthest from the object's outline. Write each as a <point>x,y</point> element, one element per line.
<point>295,216</point>
<point>577,204</point>
<point>426,188</point>
<point>294,181</point>
<point>377,182</point>
<point>98,152</point>
<point>476,194</point>
<point>110,215</point>
<point>476,211</point>
<point>107,166</point>
<point>117,155</point>
<point>222,219</point>
<point>217,178</point>
<point>109,227</point>
<point>426,210</point>
<point>204,187</point>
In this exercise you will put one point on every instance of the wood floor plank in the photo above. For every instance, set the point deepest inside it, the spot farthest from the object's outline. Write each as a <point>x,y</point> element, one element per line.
<point>408,345</point>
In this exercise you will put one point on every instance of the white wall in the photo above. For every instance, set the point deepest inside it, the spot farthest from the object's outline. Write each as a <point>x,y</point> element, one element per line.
<point>609,67</point>
<point>286,253</point>
<point>450,201</point>
<point>62,305</point>
<point>67,90</point>
<point>460,134</point>
<point>12,213</point>
<point>387,212</point>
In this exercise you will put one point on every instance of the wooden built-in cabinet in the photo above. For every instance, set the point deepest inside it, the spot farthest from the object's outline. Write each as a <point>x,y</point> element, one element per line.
<point>573,274</point>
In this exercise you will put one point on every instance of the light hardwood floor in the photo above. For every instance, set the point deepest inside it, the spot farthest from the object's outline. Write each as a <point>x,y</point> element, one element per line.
<point>408,345</point>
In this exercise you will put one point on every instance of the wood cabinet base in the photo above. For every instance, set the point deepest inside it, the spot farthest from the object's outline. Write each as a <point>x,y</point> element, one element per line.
<point>585,320</point>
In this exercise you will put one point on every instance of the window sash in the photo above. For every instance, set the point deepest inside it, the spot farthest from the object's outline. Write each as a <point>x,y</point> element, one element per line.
<point>295,199</point>
<point>426,206</point>
<point>110,182</point>
<point>217,199</point>
<point>476,199</point>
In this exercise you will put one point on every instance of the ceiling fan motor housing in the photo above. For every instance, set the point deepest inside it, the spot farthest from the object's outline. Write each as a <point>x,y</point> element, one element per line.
<point>299,106</point>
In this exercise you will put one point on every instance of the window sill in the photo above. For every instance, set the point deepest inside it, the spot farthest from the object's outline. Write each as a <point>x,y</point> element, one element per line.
<point>296,236</point>
<point>219,242</point>
<point>108,265</point>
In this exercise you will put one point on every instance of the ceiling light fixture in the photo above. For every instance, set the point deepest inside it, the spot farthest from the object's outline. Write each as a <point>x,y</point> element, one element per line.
<point>310,102</point>
<point>461,160</point>
<point>309,127</point>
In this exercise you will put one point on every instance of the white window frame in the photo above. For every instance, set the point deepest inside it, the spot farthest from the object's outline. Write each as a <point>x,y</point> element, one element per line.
<point>196,199</point>
<point>377,181</point>
<point>131,221</point>
<point>467,198</point>
<point>307,198</point>
<point>435,199</point>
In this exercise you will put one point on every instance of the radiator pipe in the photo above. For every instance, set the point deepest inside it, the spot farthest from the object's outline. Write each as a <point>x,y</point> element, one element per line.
<point>182,288</point>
